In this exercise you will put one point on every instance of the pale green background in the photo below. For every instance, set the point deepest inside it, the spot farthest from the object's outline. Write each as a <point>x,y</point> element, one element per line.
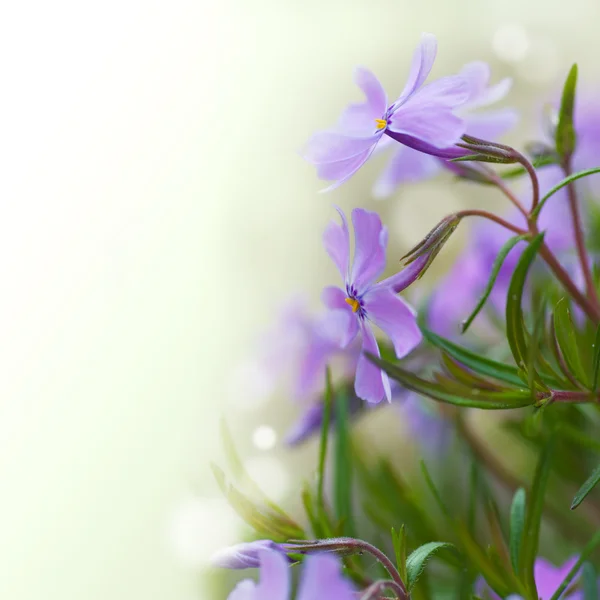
<point>154,212</point>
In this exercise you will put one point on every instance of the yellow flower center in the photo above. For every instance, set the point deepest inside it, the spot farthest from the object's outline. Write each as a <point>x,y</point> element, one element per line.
<point>381,123</point>
<point>353,303</point>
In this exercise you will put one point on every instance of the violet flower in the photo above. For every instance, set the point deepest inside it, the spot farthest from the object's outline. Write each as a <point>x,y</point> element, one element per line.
<point>547,580</point>
<point>409,165</point>
<point>422,118</point>
<point>363,301</point>
<point>245,555</point>
<point>321,578</point>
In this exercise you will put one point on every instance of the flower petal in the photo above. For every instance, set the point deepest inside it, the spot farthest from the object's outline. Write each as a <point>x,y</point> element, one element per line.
<point>322,578</point>
<point>244,590</point>
<point>405,165</point>
<point>331,146</point>
<point>422,63</point>
<point>274,577</point>
<point>491,125</point>
<point>342,170</point>
<point>370,240</point>
<point>395,318</point>
<point>427,115</point>
<point>339,326</point>
<point>371,383</point>
<point>336,240</point>
<point>311,372</point>
<point>308,424</point>
<point>477,73</point>
<point>401,280</point>
<point>333,297</point>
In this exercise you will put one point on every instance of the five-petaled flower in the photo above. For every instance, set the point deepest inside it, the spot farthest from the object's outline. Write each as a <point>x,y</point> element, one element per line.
<point>362,301</point>
<point>422,118</point>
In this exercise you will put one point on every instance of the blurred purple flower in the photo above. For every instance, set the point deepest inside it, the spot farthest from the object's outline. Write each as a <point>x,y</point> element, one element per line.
<point>409,165</point>
<point>422,118</point>
<point>244,556</point>
<point>547,579</point>
<point>321,578</point>
<point>363,301</point>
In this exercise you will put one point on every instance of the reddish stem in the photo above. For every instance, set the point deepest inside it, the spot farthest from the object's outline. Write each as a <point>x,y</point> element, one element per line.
<point>492,217</point>
<point>579,238</point>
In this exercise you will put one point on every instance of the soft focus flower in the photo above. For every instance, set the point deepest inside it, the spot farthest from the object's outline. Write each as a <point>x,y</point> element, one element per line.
<point>407,164</point>
<point>321,578</point>
<point>243,556</point>
<point>363,301</point>
<point>547,580</point>
<point>422,118</point>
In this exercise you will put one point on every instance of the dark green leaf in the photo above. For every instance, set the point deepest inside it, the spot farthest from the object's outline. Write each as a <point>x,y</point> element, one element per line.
<point>565,129</point>
<point>499,160</point>
<point>417,560</point>
<point>477,362</point>
<point>328,400</point>
<point>533,518</point>
<point>589,548</point>
<point>586,488</point>
<point>590,582</point>
<point>566,181</point>
<point>517,523</point>
<point>515,323</point>
<point>474,398</point>
<point>508,246</point>
<point>567,341</point>
<point>342,477</point>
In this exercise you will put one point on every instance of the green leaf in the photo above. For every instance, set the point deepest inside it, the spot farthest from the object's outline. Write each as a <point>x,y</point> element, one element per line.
<point>417,560</point>
<point>589,548</point>
<point>567,341</point>
<point>399,541</point>
<point>517,523</point>
<point>586,488</point>
<point>477,362</point>
<point>533,518</point>
<point>498,262</point>
<point>590,583</point>
<point>515,323</point>
<point>596,361</point>
<point>565,130</point>
<point>342,476</point>
<point>468,397</point>
<point>566,181</point>
<point>328,400</point>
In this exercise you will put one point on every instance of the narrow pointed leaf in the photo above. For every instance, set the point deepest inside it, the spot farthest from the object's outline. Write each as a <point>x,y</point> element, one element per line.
<point>342,477</point>
<point>515,326</point>
<point>586,488</point>
<point>565,129</point>
<point>566,181</point>
<point>328,401</point>
<point>417,560</point>
<point>498,262</point>
<point>478,363</point>
<point>473,398</point>
<point>533,518</point>
<point>567,341</point>
<point>517,523</point>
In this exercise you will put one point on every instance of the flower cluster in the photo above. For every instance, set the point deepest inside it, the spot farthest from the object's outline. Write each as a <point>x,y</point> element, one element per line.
<point>513,326</point>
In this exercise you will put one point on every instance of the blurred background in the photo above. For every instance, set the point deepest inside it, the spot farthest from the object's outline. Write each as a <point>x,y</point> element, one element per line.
<point>155,213</point>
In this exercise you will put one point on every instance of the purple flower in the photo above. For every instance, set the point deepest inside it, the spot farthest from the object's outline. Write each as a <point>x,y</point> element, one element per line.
<point>243,556</point>
<point>408,165</point>
<point>422,118</point>
<point>547,580</point>
<point>321,578</point>
<point>362,301</point>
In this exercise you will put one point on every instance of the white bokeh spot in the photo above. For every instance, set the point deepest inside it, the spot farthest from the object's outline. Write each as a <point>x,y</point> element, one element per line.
<point>264,437</point>
<point>511,42</point>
